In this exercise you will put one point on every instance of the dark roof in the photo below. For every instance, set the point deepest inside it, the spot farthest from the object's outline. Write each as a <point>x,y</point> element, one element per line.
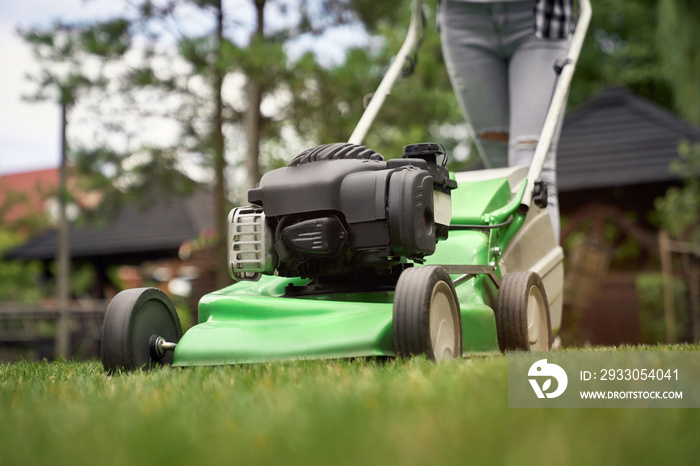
<point>619,139</point>
<point>161,226</point>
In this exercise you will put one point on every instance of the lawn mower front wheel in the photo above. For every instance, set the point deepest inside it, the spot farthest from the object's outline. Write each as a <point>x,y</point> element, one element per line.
<point>522,313</point>
<point>140,329</point>
<point>426,316</point>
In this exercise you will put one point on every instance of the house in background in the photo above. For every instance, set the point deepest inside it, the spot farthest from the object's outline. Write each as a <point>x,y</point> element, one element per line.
<point>24,196</point>
<point>145,242</point>
<point>28,200</point>
<point>154,230</point>
<point>613,162</point>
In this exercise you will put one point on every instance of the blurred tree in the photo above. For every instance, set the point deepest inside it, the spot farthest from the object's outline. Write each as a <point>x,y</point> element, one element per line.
<point>651,47</point>
<point>64,52</point>
<point>621,49</point>
<point>27,224</point>
<point>18,280</point>
<point>679,208</point>
<point>678,39</point>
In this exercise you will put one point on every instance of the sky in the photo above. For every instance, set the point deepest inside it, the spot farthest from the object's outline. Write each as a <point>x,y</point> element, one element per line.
<point>30,132</point>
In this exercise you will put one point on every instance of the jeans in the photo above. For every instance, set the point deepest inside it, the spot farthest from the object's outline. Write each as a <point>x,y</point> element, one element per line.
<point>504,78</point>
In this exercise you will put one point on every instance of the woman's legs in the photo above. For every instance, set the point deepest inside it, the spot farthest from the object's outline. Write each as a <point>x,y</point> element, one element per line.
<point>479,75</point>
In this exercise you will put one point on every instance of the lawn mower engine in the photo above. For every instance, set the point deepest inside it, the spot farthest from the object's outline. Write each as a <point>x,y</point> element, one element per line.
<point>341,211</point>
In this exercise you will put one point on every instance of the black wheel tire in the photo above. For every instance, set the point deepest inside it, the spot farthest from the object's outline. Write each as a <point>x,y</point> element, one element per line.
<point>522,313</point>
<point>427,319</point>
<point>335,151</point>
<point>133,318</point>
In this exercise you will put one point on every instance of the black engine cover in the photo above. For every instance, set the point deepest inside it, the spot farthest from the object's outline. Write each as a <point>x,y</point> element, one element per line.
<point>334,217</point>
<point>411,214</point>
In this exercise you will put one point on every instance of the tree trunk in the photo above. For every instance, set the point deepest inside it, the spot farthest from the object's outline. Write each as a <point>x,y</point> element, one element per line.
<point>63,251</point>
<point>218,145</point>
<point>253,121</point>
<point>253,131</point>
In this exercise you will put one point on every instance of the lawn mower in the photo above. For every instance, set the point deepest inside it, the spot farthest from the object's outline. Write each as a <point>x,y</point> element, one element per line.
<point>345,254</point>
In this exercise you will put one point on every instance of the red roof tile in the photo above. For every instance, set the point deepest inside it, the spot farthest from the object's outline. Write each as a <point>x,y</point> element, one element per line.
<point>35,186</point>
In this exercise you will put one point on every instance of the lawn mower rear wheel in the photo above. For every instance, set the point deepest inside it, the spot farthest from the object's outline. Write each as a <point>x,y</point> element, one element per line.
<point>522,313</point>
<point>427,319</point>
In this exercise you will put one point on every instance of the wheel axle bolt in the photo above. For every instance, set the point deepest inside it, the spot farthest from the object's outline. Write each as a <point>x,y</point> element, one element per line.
<point>160,346</point>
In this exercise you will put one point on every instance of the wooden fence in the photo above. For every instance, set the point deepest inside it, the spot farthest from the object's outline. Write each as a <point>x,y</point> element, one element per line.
<point>29,332</point>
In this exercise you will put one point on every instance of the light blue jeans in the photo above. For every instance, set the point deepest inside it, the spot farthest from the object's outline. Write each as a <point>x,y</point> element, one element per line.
<point>504,78</point>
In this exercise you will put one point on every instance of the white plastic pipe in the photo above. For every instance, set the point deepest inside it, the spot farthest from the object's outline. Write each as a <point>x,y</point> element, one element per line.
<point>391,75</point>
<point>561,92</point>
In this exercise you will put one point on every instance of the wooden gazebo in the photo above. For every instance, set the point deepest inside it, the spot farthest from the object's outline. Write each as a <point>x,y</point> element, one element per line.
<point>613,162</point>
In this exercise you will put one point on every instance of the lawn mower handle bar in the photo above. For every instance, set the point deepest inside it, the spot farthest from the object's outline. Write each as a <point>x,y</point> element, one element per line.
<point>558,104</point>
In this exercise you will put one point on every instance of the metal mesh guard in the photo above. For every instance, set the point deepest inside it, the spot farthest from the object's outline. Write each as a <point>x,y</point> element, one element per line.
<point>248,245</point>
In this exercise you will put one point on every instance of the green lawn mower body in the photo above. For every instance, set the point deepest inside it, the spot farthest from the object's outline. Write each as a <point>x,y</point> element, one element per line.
<point>255,321</point>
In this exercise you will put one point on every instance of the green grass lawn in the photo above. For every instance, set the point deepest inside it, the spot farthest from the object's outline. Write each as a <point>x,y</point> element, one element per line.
<point>318,412</point>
